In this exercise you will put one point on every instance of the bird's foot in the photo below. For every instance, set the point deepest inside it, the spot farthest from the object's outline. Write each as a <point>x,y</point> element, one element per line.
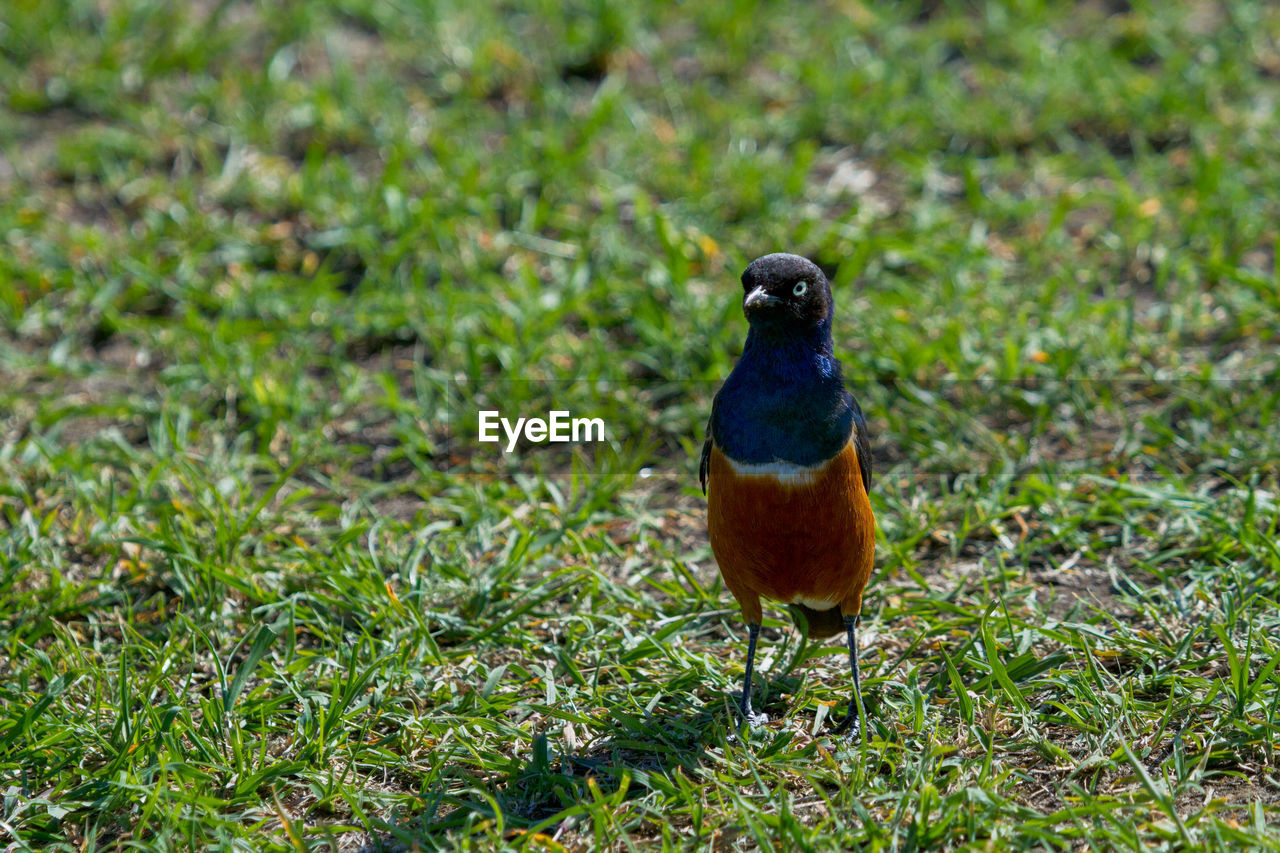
<point>846,729</point>
<point>752,718</point>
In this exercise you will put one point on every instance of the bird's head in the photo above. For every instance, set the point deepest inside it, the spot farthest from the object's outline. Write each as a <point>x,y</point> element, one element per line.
<point>784,292</point>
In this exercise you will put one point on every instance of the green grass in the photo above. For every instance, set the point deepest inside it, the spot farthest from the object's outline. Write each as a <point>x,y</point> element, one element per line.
<point>261,263</point>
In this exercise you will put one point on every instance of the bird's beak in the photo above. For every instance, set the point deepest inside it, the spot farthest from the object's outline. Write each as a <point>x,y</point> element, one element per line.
<point>758,298</point>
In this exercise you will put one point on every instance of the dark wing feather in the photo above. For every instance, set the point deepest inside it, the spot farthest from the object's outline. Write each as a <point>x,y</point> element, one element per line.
<point>705,465</point>
<point>861,443</point>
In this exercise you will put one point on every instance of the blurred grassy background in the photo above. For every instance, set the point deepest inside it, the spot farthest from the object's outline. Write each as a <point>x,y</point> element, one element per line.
<point>254,254</point>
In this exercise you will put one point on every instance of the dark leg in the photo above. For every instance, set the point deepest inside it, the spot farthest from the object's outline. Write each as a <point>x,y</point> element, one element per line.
<point>855,701</point>
<point>753,634</point>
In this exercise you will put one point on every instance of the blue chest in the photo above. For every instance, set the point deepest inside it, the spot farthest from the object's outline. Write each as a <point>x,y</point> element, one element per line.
<point>784,401</point>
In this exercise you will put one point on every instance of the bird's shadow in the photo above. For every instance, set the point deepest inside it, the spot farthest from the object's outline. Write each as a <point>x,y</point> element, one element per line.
<point>638,752</point>
<point>769,695</point>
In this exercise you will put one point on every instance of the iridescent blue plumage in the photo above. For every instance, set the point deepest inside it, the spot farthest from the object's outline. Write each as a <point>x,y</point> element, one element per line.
<point>784,401</point>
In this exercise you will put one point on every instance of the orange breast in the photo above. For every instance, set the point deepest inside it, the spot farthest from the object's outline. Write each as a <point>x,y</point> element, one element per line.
<point>804,538</point>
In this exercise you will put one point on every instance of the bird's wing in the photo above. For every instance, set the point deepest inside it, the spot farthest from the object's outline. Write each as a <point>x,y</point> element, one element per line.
<point>704,466</point>
<point>861,443</point>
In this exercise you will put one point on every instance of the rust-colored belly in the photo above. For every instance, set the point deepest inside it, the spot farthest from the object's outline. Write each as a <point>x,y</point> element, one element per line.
<point>807,538</point>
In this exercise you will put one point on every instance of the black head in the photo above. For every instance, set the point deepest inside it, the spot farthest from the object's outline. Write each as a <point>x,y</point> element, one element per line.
<point>785,291</point>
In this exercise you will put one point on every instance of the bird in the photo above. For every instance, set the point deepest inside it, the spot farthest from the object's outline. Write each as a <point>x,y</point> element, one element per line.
<point>786,468</point>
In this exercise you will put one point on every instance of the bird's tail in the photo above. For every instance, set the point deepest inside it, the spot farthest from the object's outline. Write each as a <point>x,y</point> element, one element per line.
<point>822,623</point>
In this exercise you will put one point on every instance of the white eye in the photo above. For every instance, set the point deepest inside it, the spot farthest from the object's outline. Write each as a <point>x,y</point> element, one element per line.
<point>800,288</point>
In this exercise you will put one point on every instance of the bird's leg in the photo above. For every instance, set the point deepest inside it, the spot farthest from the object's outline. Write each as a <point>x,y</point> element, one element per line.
<point>753,719</point>
<point>855,701</point>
